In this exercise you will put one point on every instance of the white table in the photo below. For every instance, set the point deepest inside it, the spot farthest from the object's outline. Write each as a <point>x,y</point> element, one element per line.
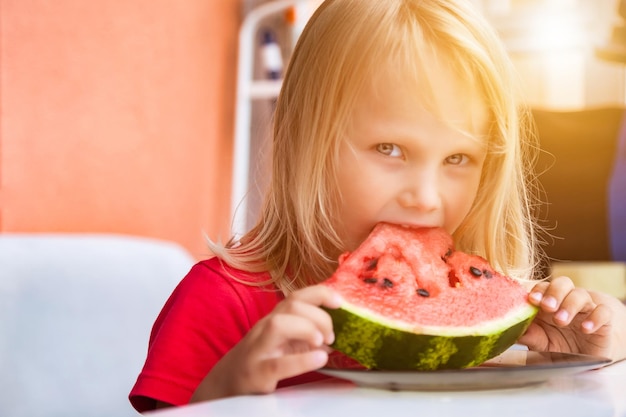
<point>595,393</point>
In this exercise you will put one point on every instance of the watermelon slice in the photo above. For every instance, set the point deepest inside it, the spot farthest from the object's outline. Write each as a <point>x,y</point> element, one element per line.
<point>412,302</point>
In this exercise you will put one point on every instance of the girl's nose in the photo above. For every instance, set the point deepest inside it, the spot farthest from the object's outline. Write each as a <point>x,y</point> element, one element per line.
<point>423,195</point>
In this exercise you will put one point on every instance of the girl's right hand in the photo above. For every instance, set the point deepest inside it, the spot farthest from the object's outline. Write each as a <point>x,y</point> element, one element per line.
<point>289,341</point>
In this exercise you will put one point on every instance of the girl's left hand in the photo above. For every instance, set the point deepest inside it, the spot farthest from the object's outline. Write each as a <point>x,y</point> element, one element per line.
<point>570,320</point>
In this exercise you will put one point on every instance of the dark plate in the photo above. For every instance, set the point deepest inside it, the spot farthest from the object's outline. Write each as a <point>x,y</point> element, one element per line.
<point>511,369</point>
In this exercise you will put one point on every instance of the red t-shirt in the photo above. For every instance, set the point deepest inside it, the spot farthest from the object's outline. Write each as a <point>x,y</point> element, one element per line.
<point>206,315</point>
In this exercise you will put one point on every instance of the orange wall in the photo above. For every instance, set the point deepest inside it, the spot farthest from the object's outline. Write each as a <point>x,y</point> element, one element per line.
<point>117,116</point>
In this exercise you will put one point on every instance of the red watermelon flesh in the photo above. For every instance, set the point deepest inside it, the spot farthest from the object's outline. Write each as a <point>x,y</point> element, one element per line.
<point>412,302</point>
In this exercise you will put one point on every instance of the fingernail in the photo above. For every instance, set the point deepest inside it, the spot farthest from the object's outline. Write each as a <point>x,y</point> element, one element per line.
<point>330,339</point>
<point>587,325</point>
<point>549,302</point>
<point>562,315</point>
<point>338,300</point>
<point>320,358</point>
<point>536,296</point>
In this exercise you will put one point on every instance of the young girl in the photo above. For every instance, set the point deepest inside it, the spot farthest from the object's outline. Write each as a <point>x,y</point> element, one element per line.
<point>402,111</point>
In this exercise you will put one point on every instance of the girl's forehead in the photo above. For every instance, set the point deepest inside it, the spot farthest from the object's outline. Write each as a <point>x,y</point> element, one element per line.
<point>432,83</point>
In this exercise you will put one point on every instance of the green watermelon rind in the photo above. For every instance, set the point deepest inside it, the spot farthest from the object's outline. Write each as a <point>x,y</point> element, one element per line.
<point>514,315</point>
<point>379,343</point>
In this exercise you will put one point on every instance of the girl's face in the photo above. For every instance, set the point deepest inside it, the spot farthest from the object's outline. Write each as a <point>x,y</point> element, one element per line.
<point>403,164</point>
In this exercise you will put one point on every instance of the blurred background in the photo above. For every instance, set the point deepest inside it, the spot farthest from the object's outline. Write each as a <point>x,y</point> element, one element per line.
<point>117,117</point>
<point>570,57</point>
<point>120,116</point>
<point>131,130</point>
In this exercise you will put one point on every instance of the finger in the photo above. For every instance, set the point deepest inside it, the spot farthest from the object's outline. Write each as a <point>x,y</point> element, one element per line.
<point>536,293</point>
<point>576,301</point>
<point>277,330</point>
<point>320,318</point>
<point>599,317</point>
<point>318,295</point>
<point>535,338</point>
<point>288,366</point>
<point>554,294</point>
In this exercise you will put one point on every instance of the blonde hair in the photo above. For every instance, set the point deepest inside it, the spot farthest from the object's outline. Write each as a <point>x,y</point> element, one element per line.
<point>337,55</point>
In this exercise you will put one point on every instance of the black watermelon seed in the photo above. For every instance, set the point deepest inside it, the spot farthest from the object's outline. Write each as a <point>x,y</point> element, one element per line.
<point>370,280</point>
<point>387,283</point>
<point>372,264</point>
<point>487,273</point>
<point>423,292</point>
<point>475,271</point>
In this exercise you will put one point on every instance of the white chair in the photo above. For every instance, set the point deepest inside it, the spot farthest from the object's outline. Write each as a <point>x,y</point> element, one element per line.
<point>75,318</point>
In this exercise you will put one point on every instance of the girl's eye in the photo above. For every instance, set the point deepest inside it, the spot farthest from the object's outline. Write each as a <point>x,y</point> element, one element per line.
<point>389,149</point>
<point>457,159</point>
